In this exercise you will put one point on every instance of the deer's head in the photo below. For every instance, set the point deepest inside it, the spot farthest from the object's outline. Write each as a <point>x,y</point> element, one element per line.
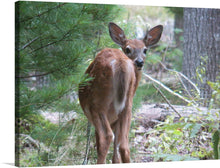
<point>135,49</point>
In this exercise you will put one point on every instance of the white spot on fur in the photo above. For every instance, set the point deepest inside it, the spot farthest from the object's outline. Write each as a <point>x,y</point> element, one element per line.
<point>121,35</point>
<point>130,66</point>
<point>119,106</point>
<point>113,137</point>
<point>149,37</point>
<point>117,149</point>
<point>128,46</point>
<point>112,63</point>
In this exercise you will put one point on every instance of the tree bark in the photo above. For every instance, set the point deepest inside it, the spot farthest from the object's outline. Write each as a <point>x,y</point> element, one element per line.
<point>201,48</point>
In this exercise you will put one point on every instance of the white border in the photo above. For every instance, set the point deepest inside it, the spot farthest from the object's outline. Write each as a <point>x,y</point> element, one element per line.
<point>7,78</point>
<point>174,3</point>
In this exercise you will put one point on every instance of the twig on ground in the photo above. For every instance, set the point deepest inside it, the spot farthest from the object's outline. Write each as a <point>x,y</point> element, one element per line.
<point>166,100</point>
<point>182,75</point>
<point>34,142</point>
<point>191,97</point>
<point>61,157</point>
<point>85,161</point>
<point>168,89</point>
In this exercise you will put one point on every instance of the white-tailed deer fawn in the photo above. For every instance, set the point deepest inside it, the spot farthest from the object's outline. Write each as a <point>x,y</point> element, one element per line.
<point>107,99</point>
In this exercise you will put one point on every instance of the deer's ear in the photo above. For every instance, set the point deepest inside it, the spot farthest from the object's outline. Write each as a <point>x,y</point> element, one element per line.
<point>153,35</point>
<point>117,34</point>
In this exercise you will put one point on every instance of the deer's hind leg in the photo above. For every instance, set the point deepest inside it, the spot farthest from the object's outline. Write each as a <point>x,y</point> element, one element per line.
<point>121,141</point>
<point>104,136</point>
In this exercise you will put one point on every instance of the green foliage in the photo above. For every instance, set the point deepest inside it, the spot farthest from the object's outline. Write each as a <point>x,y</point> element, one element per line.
<point>177,30</point>
<point>56,141</point>
<point>173,56</point>
<point>46,131</point>
<point>55,42</point>
<point>189,136</point>
<point>32,158</point>
<point>176,11</point>
<point>201,69</point>
<point>172,157</point>
<point>216,142</point>
<point>215,100</point>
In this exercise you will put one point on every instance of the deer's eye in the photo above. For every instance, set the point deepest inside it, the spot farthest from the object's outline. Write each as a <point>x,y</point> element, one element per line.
<point>127,50</point>
<point>145,51</point>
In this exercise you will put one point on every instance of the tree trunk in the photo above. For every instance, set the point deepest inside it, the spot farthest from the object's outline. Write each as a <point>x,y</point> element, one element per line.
<point>201,48</point>
<point>178,23</point>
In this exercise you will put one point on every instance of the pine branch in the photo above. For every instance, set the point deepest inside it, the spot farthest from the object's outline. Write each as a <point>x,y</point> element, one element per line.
<point>49,100</point>
<point>29,43</point>
<point>54,42</point>
<point>36,75</point>
<point>38,15</point>
<point>70,65</point>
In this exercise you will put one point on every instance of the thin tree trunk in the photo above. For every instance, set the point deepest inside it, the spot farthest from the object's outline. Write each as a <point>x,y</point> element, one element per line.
<point>178,23</point>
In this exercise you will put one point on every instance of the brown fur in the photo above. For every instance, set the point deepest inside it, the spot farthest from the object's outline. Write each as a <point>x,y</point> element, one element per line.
<point>107,99</point>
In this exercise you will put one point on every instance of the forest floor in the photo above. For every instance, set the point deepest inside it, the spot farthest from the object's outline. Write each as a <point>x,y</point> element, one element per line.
<point>150,115</point>
<point>147,142</point>
<point>146,120</point>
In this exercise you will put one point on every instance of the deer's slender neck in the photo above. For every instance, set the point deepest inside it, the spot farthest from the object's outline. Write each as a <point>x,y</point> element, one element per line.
<point>138,74</point>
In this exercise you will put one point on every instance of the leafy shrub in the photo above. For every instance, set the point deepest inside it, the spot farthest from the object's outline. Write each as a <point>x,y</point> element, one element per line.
<point>186,139</point>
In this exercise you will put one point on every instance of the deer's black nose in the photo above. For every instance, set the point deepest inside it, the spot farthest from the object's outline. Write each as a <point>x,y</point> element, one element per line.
<point>139,63</point>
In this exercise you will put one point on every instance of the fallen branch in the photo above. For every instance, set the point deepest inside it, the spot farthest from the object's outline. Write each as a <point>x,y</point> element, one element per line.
<point>33,142</point>
<point>167,100</point>
<point>168,89</point>
<point>186,88</point>
<point>61,157</point>
<point>182,75</point>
